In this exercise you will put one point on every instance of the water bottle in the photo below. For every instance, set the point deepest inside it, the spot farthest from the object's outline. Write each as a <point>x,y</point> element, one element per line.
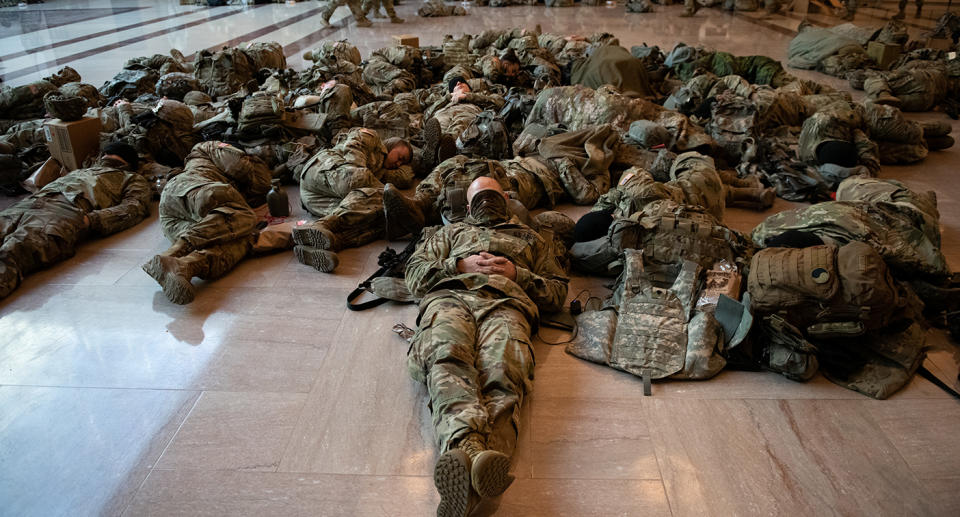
<point>277,200</point>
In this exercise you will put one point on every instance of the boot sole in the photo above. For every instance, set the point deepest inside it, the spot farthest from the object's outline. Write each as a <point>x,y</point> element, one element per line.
<point>431,142</point>
<point>313,238</point>
<point>490,473</point>
<point>175,288</point>
<point>398,215</point>
<point>322,260</point>
<point>451,476</point>
<point>447,149</point>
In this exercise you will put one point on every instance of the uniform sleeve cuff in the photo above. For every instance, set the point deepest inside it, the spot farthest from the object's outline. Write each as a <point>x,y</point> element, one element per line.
<point>450,266</point>
<point>524,277</point>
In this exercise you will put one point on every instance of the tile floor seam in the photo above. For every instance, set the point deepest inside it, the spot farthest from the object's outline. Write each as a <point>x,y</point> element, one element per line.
<point>173,435</point>
<point>317,380</point>
<point>663,483</point>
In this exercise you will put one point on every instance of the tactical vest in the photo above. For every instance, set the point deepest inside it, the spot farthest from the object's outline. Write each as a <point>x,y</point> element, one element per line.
<point>654,332</point>
<point>675,233</point>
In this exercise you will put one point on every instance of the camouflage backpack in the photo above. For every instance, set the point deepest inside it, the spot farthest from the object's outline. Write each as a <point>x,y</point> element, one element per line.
<point>266,55</point>
<point>733,122</point>
<point>486,136</point>
<point>261,116</point>
<point>223,72</point>
<point>824,290</point>
<point>668,233</point>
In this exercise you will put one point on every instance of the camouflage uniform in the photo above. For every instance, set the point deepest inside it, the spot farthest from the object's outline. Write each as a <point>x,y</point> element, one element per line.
<point>356,161</point>
<point>577,107</point>
<point>473,345</point>
<point>44,228</point>
<point>454,117</point>
<point>897,234</point>
<point>205,211</point>
<point>842,125</point>
<point>918,88</point>
<point>696,175</point>
<point>436,9</point>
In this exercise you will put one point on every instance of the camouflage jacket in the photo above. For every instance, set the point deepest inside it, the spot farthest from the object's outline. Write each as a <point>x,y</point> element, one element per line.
<point>895,234</point>
<point>842,125</point>
<point>541,283</point>
<point>113,199</point>
<point>637,188</point>
<point>361,148</point>
<point>477,100</point>
<point>219,162</point>
<point>578,106</point>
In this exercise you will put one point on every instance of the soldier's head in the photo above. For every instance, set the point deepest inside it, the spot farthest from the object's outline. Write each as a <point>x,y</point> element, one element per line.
<point>399,152</point>
<point>458,84</point>
<point>120,156</point>
<point>486,200</point>
<point>510,63</point>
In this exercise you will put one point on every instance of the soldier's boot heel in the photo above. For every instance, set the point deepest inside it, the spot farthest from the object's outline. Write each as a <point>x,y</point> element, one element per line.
<point>451,476</point>
<point>900,15</point>
<point>939,143</point>
<point>402,212</point>
<point>173,280</point>
<point>396,19</point>
<point>9,279</point>
<point>490,473</point>
<point>447,148</point>
<point>315,237</point>
<point>324,261</point>
<point>431,142</point>
<point>364,22</point>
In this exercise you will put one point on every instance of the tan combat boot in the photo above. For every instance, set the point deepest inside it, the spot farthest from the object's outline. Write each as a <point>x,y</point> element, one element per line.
<point>489,470</point>
<point>758,199</point>
<point>316,235</point>
<point>174,275</point>
<point>451,476</point>
<point>322,260</point>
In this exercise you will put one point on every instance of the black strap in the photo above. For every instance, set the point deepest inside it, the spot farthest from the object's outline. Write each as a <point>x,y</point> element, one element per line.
<point>928,375</point>
<point>356,293</point>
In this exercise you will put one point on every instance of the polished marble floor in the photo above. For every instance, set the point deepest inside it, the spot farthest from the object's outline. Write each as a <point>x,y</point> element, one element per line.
<point>267,397</point>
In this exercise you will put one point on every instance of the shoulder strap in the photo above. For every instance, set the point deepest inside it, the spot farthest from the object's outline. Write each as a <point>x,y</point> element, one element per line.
<point>928,375</point>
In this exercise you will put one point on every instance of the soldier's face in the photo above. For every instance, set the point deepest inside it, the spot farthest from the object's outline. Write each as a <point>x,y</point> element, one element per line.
<point>461,89</point>
<point>397,157</point>
<point>510,69</point>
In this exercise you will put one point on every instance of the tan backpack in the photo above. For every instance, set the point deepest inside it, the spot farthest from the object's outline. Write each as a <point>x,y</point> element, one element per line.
<point>827,291</point>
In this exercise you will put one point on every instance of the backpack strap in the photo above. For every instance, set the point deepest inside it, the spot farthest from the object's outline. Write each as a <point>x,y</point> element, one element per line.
<point>928,375</point>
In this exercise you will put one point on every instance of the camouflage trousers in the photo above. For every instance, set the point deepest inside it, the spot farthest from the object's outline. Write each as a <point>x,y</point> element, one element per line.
<point>206,216</point>
<point>37,232</point>
<point>374,5</point>
<point>322,190</point>
<point>472,350</point>
<point>359,218</point>
<point>355,8</point>
<point>455,119</point>
<point>697,177</point>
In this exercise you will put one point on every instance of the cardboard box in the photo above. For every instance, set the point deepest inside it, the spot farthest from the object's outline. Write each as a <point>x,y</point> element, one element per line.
<point>883,53</point>
<point>940,43</point>
<point>407,39</point>
<point>70,143</point>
